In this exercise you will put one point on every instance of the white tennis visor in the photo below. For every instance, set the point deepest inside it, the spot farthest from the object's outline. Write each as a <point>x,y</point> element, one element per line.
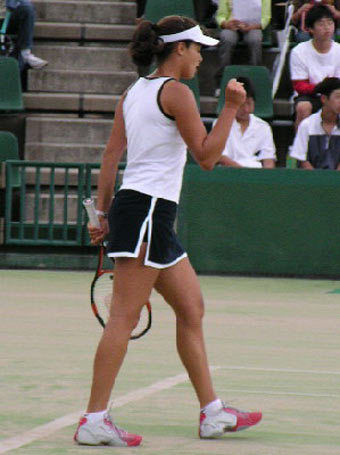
<point>193,34</point>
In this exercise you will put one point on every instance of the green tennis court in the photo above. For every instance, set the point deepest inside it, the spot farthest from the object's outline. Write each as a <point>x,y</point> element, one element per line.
<point>274,345</point>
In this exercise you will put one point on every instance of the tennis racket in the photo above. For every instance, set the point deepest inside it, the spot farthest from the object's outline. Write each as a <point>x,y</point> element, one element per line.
<point>102,286</point>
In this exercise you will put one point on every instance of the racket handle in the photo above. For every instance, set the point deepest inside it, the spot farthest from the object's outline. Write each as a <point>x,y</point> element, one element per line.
<point>91,212</point>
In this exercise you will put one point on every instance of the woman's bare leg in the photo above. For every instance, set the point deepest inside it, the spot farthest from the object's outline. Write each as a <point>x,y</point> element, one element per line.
<point>133,283</point>
<point>180,288</point>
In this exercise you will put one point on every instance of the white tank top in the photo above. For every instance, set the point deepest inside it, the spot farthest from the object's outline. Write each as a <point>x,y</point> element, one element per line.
<point>156,152</point>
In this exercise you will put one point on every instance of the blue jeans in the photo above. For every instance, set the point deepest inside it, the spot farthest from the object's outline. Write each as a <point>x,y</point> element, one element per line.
<point>22,24</point>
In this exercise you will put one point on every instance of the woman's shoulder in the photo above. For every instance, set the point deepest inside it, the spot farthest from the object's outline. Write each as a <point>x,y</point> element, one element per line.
<point>175,92</point>
<point>178,88</point>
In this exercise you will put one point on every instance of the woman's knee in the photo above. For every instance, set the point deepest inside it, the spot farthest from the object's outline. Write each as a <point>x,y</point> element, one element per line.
<point>191,313</point>
<point>124,316</point>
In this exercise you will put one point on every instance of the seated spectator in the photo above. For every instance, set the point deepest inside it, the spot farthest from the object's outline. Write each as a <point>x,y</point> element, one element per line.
<point>314,60</point>
<point>317,141</point>
<point>250,142</point>
<point>240,19</point>
<point>22,24</point>
<point>301,7</point>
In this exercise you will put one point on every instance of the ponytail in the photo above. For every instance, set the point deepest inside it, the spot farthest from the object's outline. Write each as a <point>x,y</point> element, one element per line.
<point>145,43</point>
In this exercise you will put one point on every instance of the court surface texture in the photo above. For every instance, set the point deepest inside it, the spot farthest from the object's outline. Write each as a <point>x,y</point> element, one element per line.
<point>273,344</point>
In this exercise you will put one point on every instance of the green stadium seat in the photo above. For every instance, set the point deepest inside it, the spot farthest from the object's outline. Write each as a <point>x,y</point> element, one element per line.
<point>10,86</point>
<point>260,77</point>
<point>156,9</point>
<point>9,150</point>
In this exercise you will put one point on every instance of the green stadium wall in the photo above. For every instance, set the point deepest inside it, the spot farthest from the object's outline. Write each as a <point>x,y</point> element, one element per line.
<point>261,221</point>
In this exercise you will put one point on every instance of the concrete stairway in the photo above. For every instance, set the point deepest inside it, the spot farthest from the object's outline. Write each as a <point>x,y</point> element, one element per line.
<point>66,139</point>
<point>85,43</point>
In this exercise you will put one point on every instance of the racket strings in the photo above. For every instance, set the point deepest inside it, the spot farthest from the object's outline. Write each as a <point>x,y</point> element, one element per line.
<point>102,294</point>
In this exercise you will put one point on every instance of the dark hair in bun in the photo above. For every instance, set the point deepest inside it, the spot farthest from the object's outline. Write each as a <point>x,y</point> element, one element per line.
<point>147,44</point>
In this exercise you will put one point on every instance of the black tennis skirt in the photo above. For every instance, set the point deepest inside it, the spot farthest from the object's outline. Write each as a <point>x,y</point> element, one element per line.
<point>135,218</point>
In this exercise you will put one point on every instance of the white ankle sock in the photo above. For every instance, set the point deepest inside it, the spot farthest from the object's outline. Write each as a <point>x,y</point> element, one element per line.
<point>213,407</point>
<point>95,416</point>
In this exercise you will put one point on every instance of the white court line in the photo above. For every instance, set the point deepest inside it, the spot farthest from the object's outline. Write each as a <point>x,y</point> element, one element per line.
<point>281,370</point>
<point>45,430</point>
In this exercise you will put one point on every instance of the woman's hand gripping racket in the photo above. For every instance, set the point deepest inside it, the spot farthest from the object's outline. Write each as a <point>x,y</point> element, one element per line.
<point>102,285</point>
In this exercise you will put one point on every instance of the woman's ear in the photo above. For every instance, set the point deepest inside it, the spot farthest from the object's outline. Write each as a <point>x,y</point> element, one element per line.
<point>180,48</point>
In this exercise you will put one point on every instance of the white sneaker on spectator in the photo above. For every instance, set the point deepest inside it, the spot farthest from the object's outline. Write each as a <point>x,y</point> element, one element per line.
<point>32,60</point>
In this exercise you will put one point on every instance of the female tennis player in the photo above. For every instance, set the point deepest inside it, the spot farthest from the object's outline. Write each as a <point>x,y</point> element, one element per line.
<point>156,120</point>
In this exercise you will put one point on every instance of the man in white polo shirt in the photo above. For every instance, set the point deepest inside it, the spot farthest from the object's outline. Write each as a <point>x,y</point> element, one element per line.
<point>250,142</point>
<point>314,60</point>
<point>317,142</point>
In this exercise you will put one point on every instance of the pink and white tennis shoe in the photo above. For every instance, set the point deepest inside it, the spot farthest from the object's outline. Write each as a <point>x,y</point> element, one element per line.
<point>226,420</point>
<point>104,432</point>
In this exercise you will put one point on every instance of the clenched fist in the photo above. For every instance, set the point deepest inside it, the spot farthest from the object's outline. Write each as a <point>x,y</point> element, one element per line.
<point>235,94</point>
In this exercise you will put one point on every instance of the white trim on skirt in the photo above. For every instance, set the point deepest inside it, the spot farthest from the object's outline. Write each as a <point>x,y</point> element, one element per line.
<point>164,266</point>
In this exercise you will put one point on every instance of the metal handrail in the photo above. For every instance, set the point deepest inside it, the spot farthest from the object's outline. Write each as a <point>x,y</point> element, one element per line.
<point>43,202</point>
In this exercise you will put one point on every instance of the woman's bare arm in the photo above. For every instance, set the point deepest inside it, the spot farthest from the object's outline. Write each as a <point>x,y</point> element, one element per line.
<point>178,100</point>
<point>112,155</point>
<point>108,171</point>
